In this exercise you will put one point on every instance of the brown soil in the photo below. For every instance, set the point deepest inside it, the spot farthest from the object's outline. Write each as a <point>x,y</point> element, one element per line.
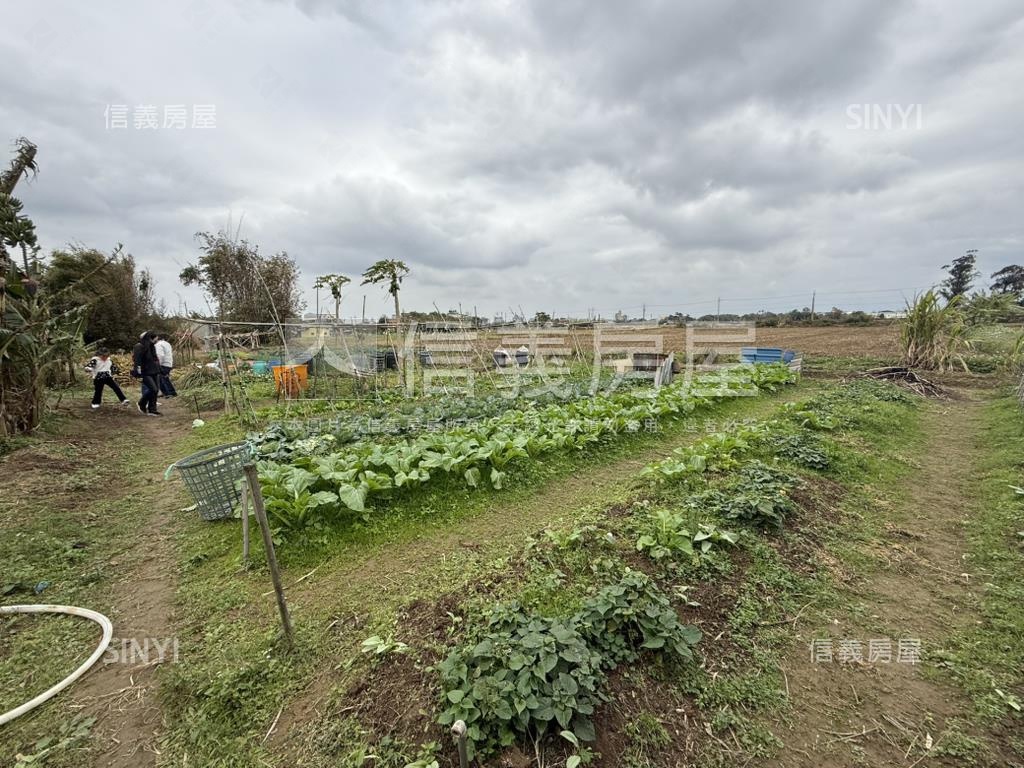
<point>395,696</point>
<point>123,695</point>
<point>632,696</point>
<point>875,714</point>
<point>880,341</point>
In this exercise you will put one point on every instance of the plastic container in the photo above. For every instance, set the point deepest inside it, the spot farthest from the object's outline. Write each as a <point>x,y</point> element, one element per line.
<point>291,380</point>
<point>214,477</point>
<point>648,361</point>
<point>260,367</point>
<point>523,357</point>
<point>766,355</point>
<point>502,358</point>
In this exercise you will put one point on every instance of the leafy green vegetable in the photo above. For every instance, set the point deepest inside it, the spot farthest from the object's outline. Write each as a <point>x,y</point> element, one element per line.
<point>529,675</point>
<point>665,534</point>
<point>363,470</point>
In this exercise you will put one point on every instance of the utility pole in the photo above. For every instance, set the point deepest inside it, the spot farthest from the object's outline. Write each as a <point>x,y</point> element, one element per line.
<point>814,295</point>
<point>364,308</point>
<point>718,312</point>
<point>644,317</point>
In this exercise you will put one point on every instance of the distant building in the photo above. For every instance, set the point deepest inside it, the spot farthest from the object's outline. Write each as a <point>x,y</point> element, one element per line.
<point>892,314</point>
<point>313,317</point>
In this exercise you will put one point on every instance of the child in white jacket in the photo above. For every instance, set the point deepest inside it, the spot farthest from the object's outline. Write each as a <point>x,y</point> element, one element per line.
<point>102,369</point>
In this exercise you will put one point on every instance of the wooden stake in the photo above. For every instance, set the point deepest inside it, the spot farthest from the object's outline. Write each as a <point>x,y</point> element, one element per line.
<point>245,525</point>
<point>268,545</point>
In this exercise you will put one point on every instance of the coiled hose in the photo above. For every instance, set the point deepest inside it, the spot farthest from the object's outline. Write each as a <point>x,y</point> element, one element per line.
<point>71,610</point>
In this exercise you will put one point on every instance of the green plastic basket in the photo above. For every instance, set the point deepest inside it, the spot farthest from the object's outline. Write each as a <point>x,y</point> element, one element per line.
<point>214,477</point>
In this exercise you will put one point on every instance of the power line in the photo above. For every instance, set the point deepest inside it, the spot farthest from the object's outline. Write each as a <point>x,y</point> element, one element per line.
<point>716,300</point>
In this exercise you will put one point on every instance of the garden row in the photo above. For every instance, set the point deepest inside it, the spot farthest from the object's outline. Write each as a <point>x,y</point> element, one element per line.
<point>524,675</point>
<point>314,486</point>
<point>310,427</point>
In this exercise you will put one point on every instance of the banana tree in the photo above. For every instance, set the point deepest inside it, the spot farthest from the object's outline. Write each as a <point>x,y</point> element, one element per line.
<point>35,340</point>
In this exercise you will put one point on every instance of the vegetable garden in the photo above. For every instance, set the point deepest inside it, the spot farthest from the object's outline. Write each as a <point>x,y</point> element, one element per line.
<point>316,484</point>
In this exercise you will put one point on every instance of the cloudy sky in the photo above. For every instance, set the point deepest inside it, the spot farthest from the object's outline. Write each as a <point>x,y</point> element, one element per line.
<point>559,155</point>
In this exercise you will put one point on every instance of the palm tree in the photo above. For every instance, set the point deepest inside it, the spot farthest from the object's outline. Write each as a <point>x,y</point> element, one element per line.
<point>391,272</point>
<point>335,283</point>
<point>23,165</point>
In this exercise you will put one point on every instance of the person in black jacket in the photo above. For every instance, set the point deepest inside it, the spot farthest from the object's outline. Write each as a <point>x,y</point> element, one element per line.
<point>146,366</point>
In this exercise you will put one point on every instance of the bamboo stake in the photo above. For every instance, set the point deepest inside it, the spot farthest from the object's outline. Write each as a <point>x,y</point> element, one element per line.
<point>268,545</point>
<point>245,525</point>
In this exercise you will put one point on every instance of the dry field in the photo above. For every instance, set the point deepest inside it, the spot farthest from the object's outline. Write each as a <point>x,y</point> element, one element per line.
<point>873,341</point>
<point>824,341</point>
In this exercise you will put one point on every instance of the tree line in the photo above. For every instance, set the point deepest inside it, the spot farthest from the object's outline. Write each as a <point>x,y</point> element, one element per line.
<point>244,286</point>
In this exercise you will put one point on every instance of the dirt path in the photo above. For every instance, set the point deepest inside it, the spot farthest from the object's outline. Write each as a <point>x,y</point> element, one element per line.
<point>853,710</point>
<point>139,601</point>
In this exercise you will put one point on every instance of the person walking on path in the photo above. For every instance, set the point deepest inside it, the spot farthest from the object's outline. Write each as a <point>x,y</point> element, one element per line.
<point>166,357</point>
<point>146,366</point>
<point>102,369</point>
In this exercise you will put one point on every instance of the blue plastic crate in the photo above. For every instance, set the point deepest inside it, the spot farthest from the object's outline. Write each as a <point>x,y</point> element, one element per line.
<point>766,355</point>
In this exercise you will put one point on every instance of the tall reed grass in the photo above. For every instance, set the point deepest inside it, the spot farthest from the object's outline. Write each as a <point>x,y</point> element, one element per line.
<point>934,335</point>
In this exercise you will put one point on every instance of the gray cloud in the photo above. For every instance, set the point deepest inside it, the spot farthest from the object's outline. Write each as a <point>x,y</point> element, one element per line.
<point>561,156</point>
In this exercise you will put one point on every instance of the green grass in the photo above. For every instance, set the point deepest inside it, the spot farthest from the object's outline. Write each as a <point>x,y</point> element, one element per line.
<point>987,660</point>
<point>646,735</point>
<point>984,660</point>
<point>842,365</point>
<point>869,459</point>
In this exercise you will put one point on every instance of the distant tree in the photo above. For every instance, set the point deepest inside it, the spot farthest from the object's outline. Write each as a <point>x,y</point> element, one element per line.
<point>388,272</point>
<point>676,318</point>
<point>962,274</point>
<point>334,283</point>
<point>542,317</point>
<point>245,286</point>
<point>119,302</point>
<point>1009,279</point>
<point>858,316</point>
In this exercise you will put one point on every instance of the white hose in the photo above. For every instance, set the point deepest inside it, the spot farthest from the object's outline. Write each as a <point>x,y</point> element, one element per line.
<point>99,618</point>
